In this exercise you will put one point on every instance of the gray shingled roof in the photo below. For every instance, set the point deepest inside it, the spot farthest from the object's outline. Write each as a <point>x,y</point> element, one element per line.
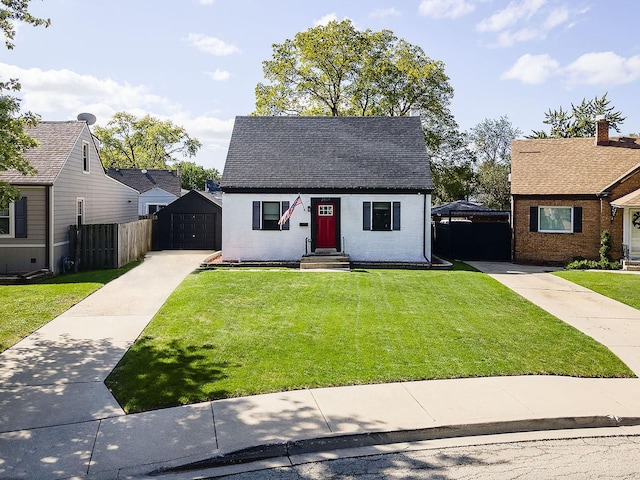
<point>57,139</point>
<point>145,180</point>
<point>324,153</point>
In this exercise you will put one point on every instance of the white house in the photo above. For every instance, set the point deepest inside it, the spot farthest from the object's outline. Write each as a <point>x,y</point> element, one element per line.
<point>364,183</point>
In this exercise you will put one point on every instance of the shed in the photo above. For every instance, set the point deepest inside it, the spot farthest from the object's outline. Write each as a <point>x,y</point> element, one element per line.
<point>192,222</point>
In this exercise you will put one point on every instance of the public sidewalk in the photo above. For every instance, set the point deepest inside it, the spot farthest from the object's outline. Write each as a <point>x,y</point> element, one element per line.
<point>58,420</point>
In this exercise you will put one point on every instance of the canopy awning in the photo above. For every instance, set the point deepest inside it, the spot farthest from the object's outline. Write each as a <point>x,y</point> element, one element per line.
<point>629,200</point>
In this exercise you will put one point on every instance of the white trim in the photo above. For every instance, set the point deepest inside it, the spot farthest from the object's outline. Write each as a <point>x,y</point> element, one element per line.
<point>59,244</point>
<point>80,200</point>
<point>87,160</point>
<point>540,207</point>
<point>146,205</point>
<point>12,222</point>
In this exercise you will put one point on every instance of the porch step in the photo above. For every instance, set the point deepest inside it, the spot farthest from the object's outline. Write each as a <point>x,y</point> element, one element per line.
<point>331,261</point>
<point>631,265</point>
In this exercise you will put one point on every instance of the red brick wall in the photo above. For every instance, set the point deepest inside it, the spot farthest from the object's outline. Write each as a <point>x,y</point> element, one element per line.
<point>559,248</point>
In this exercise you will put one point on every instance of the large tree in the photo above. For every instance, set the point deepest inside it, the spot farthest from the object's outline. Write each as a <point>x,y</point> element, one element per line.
<point>490,140</point>
<point>13,139</point>
<point>131,142</point>
<point>194,177</point>
<point>452,169</point>
<point>581,120</point>
<point>335,69</point>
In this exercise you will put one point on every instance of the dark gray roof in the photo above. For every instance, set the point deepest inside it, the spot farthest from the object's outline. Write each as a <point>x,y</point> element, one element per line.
<point>56,139</point>
<point>145,180</point>
<point>325,153</point>
<point>463,208</point>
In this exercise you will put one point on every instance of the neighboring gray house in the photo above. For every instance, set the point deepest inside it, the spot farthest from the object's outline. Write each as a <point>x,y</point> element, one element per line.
<point>364,183</point>
<point>69,188</point>
<point>157,187</point>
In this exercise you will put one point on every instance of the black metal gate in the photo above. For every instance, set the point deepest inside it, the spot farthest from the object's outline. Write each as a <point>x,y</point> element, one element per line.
<point>473,241</point>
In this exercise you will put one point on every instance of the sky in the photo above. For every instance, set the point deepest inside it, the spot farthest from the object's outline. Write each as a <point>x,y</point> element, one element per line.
<point>197,62</point>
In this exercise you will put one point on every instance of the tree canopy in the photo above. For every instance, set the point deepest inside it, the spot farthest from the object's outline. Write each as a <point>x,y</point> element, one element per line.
<point>13,139</point>
<point>194,177</point>
<point>335,69</point>
<point>580,121</point>
<point>131,142</point>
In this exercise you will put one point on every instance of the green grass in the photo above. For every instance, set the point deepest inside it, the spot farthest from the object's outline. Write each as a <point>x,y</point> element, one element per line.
<point>25,308</point>
<point>622,287</point>
<point>229,333</point>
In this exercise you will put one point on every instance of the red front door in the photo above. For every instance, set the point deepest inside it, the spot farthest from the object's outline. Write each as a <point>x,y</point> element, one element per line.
<point>326,218</point>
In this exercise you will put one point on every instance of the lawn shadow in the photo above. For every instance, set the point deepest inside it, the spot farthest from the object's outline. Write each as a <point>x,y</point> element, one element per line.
<point>150,377</point>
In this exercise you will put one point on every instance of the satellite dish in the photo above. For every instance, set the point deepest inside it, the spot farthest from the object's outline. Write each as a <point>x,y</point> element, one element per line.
<point>90,118</point>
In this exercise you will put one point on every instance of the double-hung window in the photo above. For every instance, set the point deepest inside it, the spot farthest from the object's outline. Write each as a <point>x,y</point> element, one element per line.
<point>79,211</point>
<point>266,215</point>
<point>555,219</point>
<point>85,157</point>
<point>6,221</point>
<point>381,216</point>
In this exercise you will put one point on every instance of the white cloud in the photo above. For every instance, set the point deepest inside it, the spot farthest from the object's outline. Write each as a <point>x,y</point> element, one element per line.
<point>62,94</point>
<point>219,75</point>
<point>446,8</point>
<point>602,68</point>
<point>510,15</point>
<point>211,45</point>
<point>329,17</point>
<point>206,2</point>
<point>556,18</point>
<point>508,38</point>
<point>532,69</point>
<point>384,13</point>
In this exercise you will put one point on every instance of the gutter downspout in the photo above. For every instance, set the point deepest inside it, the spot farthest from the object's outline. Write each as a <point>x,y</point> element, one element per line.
<point>427,222</point>
<point>50,249</point>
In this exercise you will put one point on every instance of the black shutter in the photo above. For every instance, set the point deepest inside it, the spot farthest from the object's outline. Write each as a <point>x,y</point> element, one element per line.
<point>366,215</point>
<point>577,219</point>
<point>396,215</point>
<point>533,219</point>
<point>256,216</point>
<point>285,207</point>
<point>20,217</point>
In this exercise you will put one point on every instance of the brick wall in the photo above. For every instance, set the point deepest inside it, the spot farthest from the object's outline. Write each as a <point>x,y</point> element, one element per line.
<point>559,248</point>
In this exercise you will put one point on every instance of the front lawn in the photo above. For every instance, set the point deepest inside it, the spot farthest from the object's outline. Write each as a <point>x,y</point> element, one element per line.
<point>623,287</point>
<point>235,332</point>
<point>25,308</point>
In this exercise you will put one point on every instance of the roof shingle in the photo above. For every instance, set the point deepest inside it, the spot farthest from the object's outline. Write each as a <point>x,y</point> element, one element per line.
<point>386,153</point>
<point>570,166</point>
<point>56,139</point>
<point>145,180</point>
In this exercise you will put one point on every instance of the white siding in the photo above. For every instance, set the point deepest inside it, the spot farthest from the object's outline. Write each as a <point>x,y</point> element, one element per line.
<point>155,196</point>
<point>409,244</point>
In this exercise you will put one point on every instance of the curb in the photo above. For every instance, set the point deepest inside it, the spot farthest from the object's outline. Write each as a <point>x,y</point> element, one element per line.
<point>358,440</point>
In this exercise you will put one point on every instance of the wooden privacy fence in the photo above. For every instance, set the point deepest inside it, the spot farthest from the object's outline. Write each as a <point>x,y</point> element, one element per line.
<point>110,245</point>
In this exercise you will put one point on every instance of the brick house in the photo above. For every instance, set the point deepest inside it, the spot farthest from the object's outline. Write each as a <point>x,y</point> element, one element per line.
<point>566,191</point>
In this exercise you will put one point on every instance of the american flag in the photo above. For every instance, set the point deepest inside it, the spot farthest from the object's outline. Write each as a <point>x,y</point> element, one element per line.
<point>285,216</point>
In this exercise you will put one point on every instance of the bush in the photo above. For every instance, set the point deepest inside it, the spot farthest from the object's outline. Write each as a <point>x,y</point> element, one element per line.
<point>605,262</point>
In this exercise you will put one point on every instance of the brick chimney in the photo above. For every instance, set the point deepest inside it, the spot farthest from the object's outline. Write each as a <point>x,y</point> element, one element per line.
<point>602,130</point>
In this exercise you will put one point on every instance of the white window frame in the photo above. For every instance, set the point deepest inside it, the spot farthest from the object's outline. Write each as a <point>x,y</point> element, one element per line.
<point>12,226</point>
<point>553,207</point>
<point>86,157</point>
<point>80,214</point>
<point>159,205</point>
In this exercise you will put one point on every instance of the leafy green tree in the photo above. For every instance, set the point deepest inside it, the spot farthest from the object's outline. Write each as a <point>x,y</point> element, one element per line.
<point>580,121</point>
<point>490,140</point>
<point>194,177</point>
<point>13,139</point>
<point>12,11</point>
<point>335,69</point>
<point>131,142</point>
<point>452,170</point>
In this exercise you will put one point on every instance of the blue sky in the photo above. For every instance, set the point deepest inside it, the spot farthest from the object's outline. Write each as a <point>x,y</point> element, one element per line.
<point>197,62</point>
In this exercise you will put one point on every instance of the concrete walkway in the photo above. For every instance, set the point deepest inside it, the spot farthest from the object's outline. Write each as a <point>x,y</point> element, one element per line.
<point>58,420</point>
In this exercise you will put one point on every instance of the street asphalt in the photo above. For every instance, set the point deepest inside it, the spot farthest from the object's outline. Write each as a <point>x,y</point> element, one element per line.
<point>58,420</point>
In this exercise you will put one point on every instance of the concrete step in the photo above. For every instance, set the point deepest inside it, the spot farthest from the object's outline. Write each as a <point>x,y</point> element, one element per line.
<point>325,265</point>
<point>324,258</point>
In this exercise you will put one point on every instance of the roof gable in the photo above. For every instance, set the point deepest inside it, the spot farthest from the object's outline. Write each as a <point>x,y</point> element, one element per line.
<point>570,166</point>
<point>145,180</point>
<point>386,153</point>
<point>56,141</point>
